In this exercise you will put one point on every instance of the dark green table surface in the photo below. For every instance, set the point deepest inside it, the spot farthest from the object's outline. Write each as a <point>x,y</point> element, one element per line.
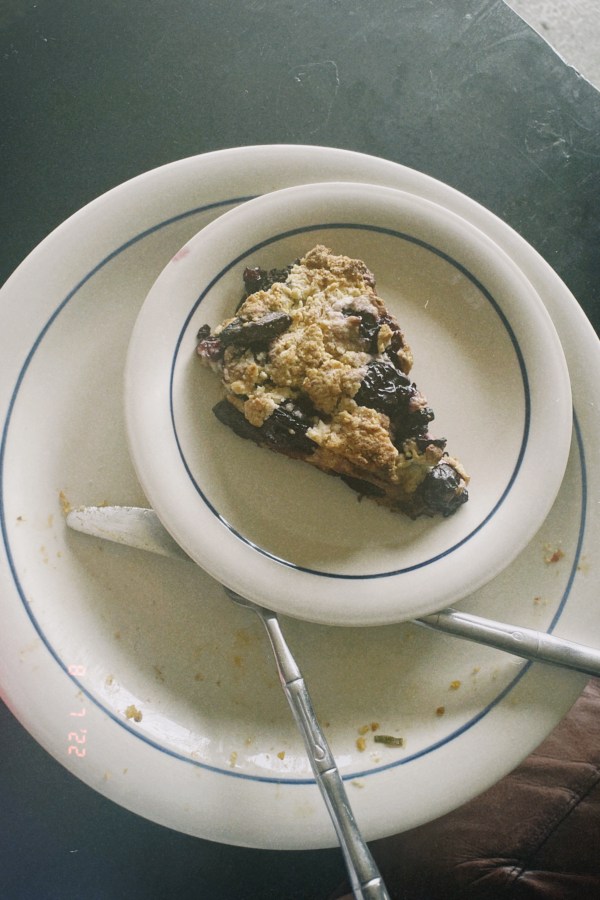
<point>92,94</point>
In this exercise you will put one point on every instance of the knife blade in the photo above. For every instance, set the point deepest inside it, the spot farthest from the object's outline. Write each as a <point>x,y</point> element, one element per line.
<point>141,528</point>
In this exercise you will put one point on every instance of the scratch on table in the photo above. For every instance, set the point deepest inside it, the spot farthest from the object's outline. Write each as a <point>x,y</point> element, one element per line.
<point>549,135</point>
<point>306,98</point>
<point>529,158</point>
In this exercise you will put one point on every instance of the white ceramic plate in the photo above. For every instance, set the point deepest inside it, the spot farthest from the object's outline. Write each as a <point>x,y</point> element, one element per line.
<point>133,670</point>
<point>487,357</point>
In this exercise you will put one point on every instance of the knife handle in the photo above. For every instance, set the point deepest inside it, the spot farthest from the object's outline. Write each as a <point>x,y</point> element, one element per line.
<point>523,642</point>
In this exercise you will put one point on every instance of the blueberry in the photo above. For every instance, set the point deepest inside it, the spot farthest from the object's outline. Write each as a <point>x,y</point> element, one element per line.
<point>424,441</point>
<point>257,279</point>
<point>368,328</point>
<point>383,388</point>
<point>285,429</point>
<point>209,346</point>
<point>440,490</point>
<point>389,391</point>
<point>252,332</point>
<point>397,340</point>
<point>418,420</point>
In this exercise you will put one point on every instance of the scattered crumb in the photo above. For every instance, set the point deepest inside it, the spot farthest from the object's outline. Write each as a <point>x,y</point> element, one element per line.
<point>389,740</point>
<point>583,566</point>
<point>65,505</point>
<point>238,662</point>
<point>243,636</point>
<point>539,601</point>
<point>440,711</point>
<point>364,729</point>
<point>454,685</point>
<point>281,754</point>
<point>159,673</point>
<point>552,555</point>
<point>117,635</point>
<point>107,776</point>
<point>357,784</point>
<point>109,680</point>
<point>132,712</point>
<point>361,744</point>
<point>233,759</point>
<point>476,670</point>
<point>20,518</point>
<point>198,676</point>
<point>125,771</point>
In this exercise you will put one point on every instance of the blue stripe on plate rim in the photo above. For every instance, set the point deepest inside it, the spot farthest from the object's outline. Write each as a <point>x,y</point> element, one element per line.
<point>480,287</point>
<point>125,723</point>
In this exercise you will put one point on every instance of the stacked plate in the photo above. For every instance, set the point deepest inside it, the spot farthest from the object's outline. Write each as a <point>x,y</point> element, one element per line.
<point>163,694</point>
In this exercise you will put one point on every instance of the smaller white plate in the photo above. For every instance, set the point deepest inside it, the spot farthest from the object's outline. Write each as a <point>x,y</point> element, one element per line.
<point>487,356</point>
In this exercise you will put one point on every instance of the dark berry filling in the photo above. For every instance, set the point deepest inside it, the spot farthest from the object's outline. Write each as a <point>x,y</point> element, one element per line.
<point>285,429</point>
<point>440,490</point>
<point>397,340</point>
<point>257,279</point>
<point>256,334</point>
<point>209,346</point>
<point>369,328</point>
<point>364,488</point>
<point>426,441</point>
<point>389,391</point>
<point>251,332</point>
<point>383,388</point>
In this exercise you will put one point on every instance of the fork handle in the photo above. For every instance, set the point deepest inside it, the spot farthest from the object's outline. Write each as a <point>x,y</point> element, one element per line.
<point>366,881</point>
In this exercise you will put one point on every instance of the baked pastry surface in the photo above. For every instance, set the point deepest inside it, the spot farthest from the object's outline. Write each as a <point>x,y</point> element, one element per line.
<point>315,367</point>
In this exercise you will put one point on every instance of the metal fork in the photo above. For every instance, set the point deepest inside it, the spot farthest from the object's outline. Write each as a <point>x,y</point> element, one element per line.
<point>366,881</point>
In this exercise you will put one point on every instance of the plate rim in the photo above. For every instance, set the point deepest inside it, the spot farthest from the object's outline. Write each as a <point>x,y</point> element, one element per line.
<point>573,685</point>
<point>261,575</point>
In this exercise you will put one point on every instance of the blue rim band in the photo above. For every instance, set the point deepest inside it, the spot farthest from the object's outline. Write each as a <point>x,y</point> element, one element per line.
<point>85,690</point>
<point>389,232</point>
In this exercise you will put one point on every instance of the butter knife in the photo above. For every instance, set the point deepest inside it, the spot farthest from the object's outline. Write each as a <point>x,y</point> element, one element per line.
<point>140,528</point>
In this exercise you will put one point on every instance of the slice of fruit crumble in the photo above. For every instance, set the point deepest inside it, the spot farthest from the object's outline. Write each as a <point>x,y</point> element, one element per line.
<point>316,368</point>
